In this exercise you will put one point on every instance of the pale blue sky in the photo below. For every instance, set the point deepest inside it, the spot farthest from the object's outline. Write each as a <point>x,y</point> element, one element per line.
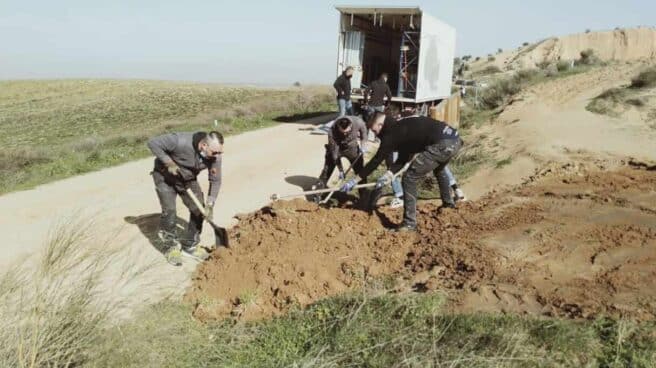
<point>261,42</point>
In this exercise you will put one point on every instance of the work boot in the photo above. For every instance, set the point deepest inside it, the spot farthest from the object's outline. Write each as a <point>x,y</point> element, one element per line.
<point>405,228</point>
<point>196,252</point>
<point>459,195</point>
<point>173,256</point>
<point>317,198</point>
<point>396,203</point>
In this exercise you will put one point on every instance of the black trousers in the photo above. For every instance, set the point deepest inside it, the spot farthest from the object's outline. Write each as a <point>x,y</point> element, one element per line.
<point>434,158</point>
<point>168,188</point>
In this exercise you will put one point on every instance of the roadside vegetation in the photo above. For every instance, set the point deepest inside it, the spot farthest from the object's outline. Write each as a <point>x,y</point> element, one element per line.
<point>58,312</point>
<point>61,128</point>
<point>638,94</point>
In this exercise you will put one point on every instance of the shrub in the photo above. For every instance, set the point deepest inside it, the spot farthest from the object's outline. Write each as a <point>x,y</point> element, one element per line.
<point>543,64</point>
<point>646,78</point>
<point>491,58</point>
<point>587,30</point>
<point>525,44</point>
<point>588,57</point>
<point>54,311</point>
<point>490,69</point>
<point>500,91</point>
<point>478,58</point>
<point>563,65</point>
<point>297,84</point>
<point>500,50</point>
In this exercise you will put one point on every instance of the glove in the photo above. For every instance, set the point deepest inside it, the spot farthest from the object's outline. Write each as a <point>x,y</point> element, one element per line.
<point>341,175</point>
<point>363,150</point>
<point>348,186</point>
<point>173,168</point>
<point>384,180</point>
<point>209,211</point>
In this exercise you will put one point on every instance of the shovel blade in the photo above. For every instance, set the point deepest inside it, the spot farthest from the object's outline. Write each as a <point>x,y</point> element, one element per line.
<point>221,236</point>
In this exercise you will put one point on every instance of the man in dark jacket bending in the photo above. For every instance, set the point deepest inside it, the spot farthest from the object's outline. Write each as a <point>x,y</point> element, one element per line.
<point>434,142</point>
<point>179,158</point>
<point>347,138</point>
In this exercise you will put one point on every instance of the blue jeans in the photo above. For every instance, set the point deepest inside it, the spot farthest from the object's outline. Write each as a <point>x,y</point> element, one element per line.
<point>396,182</point>
<point>449,175</point>
<point>345,107</point>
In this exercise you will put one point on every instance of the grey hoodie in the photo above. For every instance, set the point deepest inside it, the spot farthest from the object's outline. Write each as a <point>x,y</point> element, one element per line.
<point>338,142</point>
<point>182,148</point>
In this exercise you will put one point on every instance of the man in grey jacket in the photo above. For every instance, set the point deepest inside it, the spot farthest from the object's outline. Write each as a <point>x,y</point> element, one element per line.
<point>347,138</point>
<point>179,158</point>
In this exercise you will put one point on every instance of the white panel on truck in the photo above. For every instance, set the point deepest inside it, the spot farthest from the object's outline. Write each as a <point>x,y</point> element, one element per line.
<point>436,53</point>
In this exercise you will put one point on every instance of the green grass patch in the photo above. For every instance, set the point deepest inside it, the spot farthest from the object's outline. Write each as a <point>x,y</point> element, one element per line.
<point>645,79</point>
<point>362,330</point>
<point>56,129</point>
<point>505,162</point>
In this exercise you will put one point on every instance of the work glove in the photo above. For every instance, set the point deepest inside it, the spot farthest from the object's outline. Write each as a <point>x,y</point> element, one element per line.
<point>209,211</point>
<point>173,168</point>
<point>363,150</point>
<point>385,179</point>
<point>348,186</point>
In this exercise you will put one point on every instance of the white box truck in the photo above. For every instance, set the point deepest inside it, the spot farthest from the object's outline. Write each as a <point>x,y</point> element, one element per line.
<point>415,49</point>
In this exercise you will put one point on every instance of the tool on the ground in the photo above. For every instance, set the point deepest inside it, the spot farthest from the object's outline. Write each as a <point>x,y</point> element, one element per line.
<point>341,182</point>
<point>220,233</point>
<point>276,197</point>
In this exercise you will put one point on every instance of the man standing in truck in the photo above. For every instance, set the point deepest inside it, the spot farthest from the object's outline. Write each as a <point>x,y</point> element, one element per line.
<point>343,88</point>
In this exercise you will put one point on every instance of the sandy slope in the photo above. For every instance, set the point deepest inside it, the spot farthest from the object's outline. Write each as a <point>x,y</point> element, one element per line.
<point>628,44</point>
<point>122,199</point>
<point>549,123</point>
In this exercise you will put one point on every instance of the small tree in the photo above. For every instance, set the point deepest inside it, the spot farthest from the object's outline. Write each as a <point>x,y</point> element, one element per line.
<point>491,58</point>
<point>525,44</point>
<point>500,50</point>
<point>297,84</point>
<point>587,30</point>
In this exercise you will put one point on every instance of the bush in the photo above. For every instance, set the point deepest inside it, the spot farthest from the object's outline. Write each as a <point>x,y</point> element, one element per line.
<point>525,44</point>
<point>543,64</point>
<point>587,30</point>
<point>490,69</point>
<point>54,311</point>
<point>563,65</point>
<point>491,58</point>
<point>500,50</point>
<point>498,93</point>
<point>297,84</point>
<point>588,57</point>
<point>478,58</point>
<point>646,79</point>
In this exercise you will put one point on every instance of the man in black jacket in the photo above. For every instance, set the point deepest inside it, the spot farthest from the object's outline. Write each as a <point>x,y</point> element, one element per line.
<point>343,88</point>
<point>378,90</point>
<point>434,142</point>
<point>179,158</point>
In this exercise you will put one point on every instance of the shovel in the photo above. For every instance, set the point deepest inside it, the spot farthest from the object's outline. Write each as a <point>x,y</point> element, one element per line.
<point>220,233</point>
<point>342,181</point>
<point>275,197</point>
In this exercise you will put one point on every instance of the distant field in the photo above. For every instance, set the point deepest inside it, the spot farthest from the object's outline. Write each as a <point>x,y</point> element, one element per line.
<point>60,128</point>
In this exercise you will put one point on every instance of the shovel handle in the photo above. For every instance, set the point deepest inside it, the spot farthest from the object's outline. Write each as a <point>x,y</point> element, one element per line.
<point>196,202</point>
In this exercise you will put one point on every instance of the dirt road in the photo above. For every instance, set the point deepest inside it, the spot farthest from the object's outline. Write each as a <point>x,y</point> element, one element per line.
<point>123,203</point>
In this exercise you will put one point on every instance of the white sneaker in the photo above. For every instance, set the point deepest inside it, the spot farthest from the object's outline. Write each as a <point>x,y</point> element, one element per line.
<point>459,195</point>
<point>396,203</point>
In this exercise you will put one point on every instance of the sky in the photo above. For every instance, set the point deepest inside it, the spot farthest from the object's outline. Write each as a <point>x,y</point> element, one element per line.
<point>253,41</point>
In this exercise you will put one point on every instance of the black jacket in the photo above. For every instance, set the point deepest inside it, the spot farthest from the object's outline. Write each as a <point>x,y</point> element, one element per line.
<point>343,87</point>
<point>378,90</point>
<point>407,137</point>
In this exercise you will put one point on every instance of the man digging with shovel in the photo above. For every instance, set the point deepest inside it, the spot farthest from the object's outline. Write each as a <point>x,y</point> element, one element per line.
<point>433,142</point>
<point>347,138</point>
<point>179,158</point>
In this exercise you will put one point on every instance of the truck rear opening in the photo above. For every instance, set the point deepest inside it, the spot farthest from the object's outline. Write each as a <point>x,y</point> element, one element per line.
<point>415,49</point>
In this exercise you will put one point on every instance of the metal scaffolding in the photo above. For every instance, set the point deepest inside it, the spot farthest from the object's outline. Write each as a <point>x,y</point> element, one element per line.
<point>409,63</point>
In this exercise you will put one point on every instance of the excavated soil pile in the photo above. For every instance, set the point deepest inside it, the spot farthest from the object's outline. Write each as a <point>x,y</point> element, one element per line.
<point>575,240</point>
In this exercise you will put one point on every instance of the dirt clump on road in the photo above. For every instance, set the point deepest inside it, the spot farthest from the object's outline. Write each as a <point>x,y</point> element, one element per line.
<point>574,240</point>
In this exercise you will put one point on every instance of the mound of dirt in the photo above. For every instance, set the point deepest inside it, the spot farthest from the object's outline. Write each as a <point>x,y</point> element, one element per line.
<point>576,241</point>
